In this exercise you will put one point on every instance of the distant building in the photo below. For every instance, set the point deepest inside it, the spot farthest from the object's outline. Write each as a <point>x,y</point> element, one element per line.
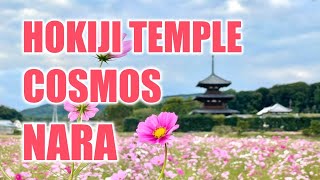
<point>275,109</point>
<point>7,127</point>
<point>214,101</point>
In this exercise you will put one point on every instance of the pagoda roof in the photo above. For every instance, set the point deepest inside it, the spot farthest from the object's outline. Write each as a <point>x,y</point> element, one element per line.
<point>215,111</point>
<point>214,80</point>
<point>215,96</point>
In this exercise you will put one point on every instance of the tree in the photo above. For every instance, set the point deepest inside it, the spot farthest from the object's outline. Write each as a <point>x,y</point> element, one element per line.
<point>9,113</point>
<point>143,113</point>
<point>242,126</point>
<point>317,97</point>
<point>179,105</point>
<point>117,113</point>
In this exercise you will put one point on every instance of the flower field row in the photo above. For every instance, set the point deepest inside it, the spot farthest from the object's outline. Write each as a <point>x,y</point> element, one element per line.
<point>190,156</point>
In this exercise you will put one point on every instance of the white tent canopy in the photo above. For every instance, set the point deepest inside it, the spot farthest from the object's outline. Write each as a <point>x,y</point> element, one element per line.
<point>277,108</point>
<point>7,127</point>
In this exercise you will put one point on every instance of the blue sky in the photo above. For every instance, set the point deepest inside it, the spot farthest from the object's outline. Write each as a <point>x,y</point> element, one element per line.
<point>281,39</point>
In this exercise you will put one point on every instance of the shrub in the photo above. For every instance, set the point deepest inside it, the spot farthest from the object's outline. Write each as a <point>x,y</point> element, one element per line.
<point>231,121</point>
<point>287,123</point>
<point>218,119</point>
<point>315,127</point>
<point>307,132</point>
<point>222,130</point>
<point>130,124</point>
<point>195,123</point>
<point>143,113</point>
<point>242,126</point>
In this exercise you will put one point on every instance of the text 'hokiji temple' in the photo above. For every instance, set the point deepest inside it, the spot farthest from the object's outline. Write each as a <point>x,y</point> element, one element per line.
<point>214,101</point>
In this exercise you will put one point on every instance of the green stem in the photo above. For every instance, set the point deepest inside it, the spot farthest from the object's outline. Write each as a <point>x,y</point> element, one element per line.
<point>72,172</point>
<point>79,121</point>
<point>101,64</point>
<point>164,162</point>
<point>80,114</point>
<point>4,173</point>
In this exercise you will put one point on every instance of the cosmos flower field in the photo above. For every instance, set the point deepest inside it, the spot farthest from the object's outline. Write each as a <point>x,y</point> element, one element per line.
<point>191,156</point>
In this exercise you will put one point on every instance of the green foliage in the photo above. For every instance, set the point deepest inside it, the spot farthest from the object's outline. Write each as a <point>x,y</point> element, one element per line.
<point>315,127</point>
<point>301,96</point>
<point>231,121</point>
<point>195,123</point>
<point>222,130</point>
<point>307,132</point>
<point>242,126</point>
<point>10,114</point>
<point>143,113</point>
<point>286,123</point>
<point>117,113</point>
<point>130,124</point>
<point>218,119</point>
<point>179,105</point>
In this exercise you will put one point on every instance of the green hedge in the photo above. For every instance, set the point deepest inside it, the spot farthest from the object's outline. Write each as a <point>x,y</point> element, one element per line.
<point>130,124</point>
<point>286,123</point>
<point>207,122</point>
<point>195,123</point>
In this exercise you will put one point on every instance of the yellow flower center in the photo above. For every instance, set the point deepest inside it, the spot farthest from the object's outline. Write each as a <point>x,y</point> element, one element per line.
<point>160,132</point>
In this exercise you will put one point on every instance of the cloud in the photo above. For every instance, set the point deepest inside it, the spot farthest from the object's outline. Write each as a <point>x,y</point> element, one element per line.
<point>57,2</point>
<point>272,54</point>
<point>280,3</point>
<point>235,7</point>
<point>288,74</point>
<point>297,39</point>
<point>31,13</point>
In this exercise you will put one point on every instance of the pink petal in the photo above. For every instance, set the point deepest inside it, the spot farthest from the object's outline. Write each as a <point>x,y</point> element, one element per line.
<point>173,129</point>
<point>143,128</point>
<point>167,119</point>
<point>90,114</point>
<point>126,46</point>
<point>69,107</point>
<point>91,105</point>
<point>93,110</point>
<point>118,55</point>
<point>73,116</point>
<point>147,139</point>
<point>85,117</point>
<point>124,35</point>
<point>164,139</point>
<point>152,122</point>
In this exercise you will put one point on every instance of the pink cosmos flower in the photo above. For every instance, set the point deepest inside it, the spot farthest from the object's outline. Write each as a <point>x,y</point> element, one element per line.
<point>180,171</point>
<point>84,111</point>
<point>18,177</point>
<point>120,175</point>
<point>158,129</point>
<point>170,174</point>
<point>157,160</point>
<point>68,169</point>
<point>126,47</point>
<point>225,175</point>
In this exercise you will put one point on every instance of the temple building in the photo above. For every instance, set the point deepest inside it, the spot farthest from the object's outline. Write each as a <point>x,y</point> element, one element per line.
<point>214,101</point>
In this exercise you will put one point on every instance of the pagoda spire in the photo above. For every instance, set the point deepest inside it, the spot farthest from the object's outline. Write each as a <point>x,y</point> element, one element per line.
<point>212,65</point>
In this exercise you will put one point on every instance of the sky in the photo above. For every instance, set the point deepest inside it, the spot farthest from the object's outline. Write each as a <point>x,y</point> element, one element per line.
<point>280,37</point>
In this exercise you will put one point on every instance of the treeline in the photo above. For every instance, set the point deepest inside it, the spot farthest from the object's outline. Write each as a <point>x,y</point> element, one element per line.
<point>301,97</point>
<point>9,113</point>
<point>119,113</point>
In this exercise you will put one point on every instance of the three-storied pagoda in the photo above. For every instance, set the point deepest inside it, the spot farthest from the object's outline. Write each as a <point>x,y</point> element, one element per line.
<point>214,101</point>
